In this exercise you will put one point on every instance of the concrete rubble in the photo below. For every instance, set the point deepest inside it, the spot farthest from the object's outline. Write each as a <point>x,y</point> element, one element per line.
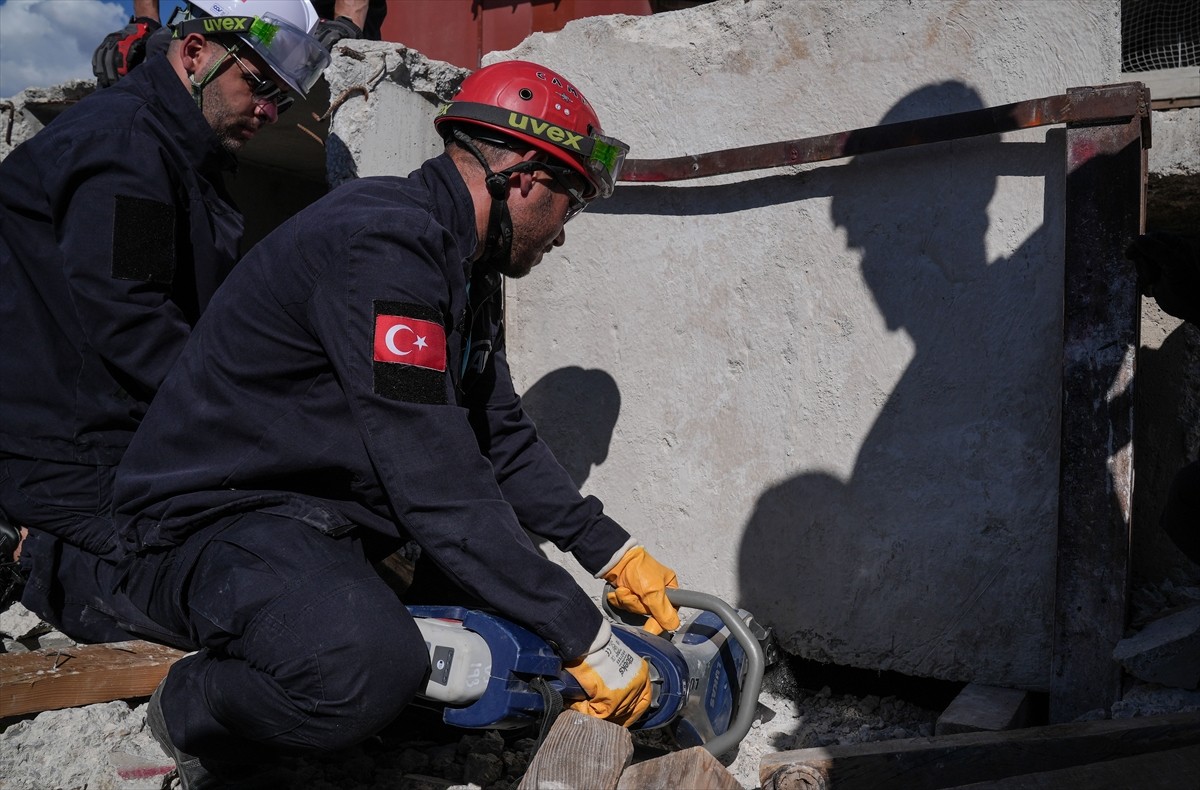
<point>1166,651</point>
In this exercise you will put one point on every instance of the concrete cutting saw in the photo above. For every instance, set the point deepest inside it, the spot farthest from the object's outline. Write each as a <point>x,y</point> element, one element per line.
<point>488,672</point>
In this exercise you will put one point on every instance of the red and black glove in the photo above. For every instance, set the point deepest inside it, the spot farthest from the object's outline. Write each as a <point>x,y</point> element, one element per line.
<point>331,31</point>
<point>121,51</point>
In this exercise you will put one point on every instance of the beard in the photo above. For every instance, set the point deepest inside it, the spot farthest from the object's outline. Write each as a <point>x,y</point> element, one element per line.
<point>530,240</point>
<point>228,124</point>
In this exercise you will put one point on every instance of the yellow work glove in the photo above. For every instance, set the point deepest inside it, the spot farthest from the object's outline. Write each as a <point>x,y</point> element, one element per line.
<point>641,584</point>
<point>616,680</point>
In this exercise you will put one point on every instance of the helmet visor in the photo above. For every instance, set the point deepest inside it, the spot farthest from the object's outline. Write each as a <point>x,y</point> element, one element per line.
<point>604,162</point>
<point>291,53</point>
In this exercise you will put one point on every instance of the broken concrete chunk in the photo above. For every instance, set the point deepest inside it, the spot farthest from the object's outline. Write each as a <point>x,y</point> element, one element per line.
<point>984,708</point>
<point>1167,651</point>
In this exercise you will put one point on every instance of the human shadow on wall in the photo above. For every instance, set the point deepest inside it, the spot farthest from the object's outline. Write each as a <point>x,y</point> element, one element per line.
<point>1160,451</point>
<point>880,570</point>
<point>575,411</point>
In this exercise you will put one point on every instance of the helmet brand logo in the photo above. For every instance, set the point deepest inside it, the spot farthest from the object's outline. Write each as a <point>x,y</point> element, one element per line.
<point>546,130</point>
<point>225,24</point>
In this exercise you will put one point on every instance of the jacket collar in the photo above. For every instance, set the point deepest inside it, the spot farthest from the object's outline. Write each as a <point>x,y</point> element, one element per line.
<point>156,82</point>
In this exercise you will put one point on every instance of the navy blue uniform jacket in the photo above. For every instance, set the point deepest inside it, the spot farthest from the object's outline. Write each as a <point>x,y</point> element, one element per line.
<point>287,400</point>
<point>115,231</point>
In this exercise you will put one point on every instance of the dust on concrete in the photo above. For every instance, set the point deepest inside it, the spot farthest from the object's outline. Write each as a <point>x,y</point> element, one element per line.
<point>108,747</point>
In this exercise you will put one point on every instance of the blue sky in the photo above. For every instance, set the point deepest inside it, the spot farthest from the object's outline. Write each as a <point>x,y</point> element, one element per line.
<point>45,42</point>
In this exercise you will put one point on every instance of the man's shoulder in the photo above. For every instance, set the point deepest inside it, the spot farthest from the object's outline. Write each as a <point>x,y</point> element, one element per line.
<point>106,113</point>
<point>387,202</point>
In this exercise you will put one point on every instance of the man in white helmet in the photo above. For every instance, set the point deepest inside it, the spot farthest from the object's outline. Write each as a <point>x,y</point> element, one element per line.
<point>145,35</point>
<point>115,230</point>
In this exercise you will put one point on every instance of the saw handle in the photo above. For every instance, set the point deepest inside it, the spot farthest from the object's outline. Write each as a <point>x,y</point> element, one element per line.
<point>756,665</point>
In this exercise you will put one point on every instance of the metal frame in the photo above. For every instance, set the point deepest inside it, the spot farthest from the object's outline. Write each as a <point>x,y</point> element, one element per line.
<point>1107,134</point>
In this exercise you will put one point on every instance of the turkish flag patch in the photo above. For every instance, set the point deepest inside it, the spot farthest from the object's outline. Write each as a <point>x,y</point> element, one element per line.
<point>405,340</point>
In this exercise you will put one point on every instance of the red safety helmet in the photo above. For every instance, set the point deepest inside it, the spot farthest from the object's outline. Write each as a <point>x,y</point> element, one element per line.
<point>538,107</point>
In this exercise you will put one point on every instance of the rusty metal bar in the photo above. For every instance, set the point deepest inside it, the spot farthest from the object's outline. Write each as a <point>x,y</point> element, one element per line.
<point>1105,209</point>
<point>1105,105</point>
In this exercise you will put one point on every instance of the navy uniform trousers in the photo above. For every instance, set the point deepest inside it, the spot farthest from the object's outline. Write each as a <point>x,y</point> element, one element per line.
<point>301,644</point>
<point>67,586</point>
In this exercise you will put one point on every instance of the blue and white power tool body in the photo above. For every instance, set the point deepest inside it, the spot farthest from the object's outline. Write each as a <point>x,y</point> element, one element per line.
<point>491,673</point>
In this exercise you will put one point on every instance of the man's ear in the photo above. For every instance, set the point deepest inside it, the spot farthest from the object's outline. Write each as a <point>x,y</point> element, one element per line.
<point>191,49</point>
<point>525,182</point>
<point>526,178</point>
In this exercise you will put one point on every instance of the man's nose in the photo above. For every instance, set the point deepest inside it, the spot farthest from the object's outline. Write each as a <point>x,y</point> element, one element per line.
<point>267,109</point>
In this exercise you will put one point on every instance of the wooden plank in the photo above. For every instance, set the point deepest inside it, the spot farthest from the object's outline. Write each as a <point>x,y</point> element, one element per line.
<point>1168,770</point>
<point>1104,211</point>
<point>56,678</point>
<point>692,768</point>
<point>949,760</point>
<point>580,753</point>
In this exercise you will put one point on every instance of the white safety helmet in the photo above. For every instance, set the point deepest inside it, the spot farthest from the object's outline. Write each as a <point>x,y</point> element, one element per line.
<point>279,31</point>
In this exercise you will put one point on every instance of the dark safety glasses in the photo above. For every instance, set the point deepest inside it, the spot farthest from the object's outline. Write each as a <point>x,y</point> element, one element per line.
<point>570,182</point>
<point>264,90</point>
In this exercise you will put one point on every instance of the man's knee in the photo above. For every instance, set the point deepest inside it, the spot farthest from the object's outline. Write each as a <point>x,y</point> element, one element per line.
<point>375,672</point>
<point>331,653</point>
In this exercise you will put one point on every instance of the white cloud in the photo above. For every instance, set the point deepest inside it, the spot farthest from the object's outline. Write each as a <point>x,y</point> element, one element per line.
<point>46,42</point>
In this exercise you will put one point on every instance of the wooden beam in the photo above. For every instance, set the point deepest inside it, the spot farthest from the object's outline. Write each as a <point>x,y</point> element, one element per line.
<point>1167,770</point>
<point>68,677</point>
<point>694,769</point>
<point>580,752</point>
<point>950,760</point>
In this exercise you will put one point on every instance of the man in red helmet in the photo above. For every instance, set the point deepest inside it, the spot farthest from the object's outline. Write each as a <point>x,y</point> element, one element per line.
<point>347,393</point>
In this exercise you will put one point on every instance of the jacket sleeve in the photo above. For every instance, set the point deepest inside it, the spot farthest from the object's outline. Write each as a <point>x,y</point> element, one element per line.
<point>442,490</point>
<point>117,221</point>
<point>541,492</point>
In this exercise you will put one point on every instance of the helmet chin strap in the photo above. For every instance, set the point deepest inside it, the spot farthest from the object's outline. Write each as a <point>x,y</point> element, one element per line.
<point>497,247</point>
<point>198,87</point>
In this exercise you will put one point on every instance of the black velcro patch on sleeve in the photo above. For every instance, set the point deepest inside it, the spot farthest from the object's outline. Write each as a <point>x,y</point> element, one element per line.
<point>143,240</point>
<point>409,383</point>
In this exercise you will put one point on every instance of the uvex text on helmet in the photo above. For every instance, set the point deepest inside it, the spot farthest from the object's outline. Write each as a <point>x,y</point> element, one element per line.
<point>534,105</point>
<point>277,30</point>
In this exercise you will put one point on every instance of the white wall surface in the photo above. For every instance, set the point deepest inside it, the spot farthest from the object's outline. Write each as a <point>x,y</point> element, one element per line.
<point>838,384</point>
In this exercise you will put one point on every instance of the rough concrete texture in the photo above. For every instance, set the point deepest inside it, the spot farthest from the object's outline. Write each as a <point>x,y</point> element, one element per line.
<point>1166,652</point>
<point>838,384</point>
<point>1176,148</point>
<point>985,708</point>
<point>384,96</point>
<point>24,115</point>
